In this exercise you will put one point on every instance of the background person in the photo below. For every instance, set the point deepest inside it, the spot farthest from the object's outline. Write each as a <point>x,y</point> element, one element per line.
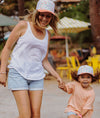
<point>80,104</point>
<point>29,58</point>
<point>92,50</point>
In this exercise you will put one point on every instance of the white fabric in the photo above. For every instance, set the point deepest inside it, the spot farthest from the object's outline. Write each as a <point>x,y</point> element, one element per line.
<point>85,69</point>
<point>28,55</point>
<point>46,5</point>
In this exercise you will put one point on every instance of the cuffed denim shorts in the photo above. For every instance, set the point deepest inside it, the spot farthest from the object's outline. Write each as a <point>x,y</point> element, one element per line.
<point>18,82</point>
<point>71,113</point>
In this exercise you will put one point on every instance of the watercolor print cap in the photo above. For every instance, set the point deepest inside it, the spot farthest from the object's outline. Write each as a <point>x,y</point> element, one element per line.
<point>85,69</point>
<point>46,6</point>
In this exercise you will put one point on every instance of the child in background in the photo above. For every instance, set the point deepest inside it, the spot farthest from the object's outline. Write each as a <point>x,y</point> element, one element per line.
<point>80,104</point>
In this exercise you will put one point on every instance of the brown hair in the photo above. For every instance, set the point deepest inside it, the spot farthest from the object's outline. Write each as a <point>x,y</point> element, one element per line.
<point>34,17</point>
<point>94,78</point>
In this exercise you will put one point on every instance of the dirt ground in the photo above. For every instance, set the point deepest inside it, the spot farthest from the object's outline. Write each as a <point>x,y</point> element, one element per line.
<point>54,101</point>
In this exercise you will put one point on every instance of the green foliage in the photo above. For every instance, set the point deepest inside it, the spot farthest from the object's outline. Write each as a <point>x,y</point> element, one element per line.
<point>87,37</point>
<point>79,11</point>
<point>30,4</point>
<point>1,45</point>
<point>9,7</point>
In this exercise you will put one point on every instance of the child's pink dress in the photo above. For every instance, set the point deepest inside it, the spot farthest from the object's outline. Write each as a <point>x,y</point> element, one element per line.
<point>80,99</point>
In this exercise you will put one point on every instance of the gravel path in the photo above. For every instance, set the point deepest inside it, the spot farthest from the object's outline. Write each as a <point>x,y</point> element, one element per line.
<point>54,102</point>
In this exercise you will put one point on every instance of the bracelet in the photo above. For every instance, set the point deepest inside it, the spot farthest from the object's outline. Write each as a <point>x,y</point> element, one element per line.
<point>80,115</point>
<point>2,72</point>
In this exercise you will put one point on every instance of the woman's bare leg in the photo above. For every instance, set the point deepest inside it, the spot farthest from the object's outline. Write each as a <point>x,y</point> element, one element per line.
<point>36,101</point>
<point>23,103</point>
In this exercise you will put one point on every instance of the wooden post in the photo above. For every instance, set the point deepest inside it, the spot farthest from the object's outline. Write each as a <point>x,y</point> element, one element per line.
<point>94,6</point>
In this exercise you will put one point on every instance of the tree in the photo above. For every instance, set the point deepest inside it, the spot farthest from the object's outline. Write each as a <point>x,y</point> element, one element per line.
<point>21,7</point>
<point>94,6</point>
<point>11,7</point>
<point>8,7</point>
<point>78,11</point>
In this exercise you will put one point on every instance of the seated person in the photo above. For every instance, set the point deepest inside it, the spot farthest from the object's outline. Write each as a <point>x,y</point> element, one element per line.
<point>92,50</point>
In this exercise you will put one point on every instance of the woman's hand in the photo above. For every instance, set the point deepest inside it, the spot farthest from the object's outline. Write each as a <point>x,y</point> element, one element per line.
<point>59,80</point>
<point>3,79</point>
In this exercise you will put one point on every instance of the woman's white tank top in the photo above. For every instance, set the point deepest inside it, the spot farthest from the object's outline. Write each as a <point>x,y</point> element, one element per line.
<point>28,54</point>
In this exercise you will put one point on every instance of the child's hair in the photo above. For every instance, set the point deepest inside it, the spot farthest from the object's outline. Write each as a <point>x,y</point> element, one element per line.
<point>94,78</point>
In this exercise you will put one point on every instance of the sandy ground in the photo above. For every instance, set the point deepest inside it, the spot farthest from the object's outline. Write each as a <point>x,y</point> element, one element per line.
<point>54,101</point>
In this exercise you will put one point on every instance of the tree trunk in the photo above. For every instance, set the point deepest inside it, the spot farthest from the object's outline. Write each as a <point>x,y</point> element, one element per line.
<point>21,7</point>
<point>95,22</point>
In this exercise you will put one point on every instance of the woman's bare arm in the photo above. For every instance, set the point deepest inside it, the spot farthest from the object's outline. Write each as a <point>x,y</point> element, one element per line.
<point>49,68</point>
<point>15,34</point>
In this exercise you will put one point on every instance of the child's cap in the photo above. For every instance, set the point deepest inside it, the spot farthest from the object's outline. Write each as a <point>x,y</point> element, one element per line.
<point>85,69</point>
<point>46,6</point>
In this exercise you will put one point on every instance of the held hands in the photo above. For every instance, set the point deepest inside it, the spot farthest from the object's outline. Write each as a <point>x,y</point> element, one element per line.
<point>61,85</point>
<point>3,79</point>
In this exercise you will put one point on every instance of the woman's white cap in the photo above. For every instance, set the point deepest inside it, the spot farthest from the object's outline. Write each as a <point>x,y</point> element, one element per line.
<point>46,6</point>
<point>85,69</point>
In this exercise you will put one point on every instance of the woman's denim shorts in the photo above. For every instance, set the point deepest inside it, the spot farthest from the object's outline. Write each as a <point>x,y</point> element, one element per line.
<point>18,82</point>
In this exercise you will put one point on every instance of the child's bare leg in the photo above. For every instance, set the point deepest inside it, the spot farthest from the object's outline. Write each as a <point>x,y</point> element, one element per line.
<point>73,116</point>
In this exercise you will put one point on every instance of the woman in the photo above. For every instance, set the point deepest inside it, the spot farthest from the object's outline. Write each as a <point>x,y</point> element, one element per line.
<point>29,57</point>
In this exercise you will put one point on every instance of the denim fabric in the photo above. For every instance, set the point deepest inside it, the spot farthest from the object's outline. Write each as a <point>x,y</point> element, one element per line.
<point>18,82</point>
<point>71,113</point>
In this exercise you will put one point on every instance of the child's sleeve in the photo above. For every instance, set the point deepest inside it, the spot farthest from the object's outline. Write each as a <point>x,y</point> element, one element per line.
<point>90,102</point>
<point>70,87</point>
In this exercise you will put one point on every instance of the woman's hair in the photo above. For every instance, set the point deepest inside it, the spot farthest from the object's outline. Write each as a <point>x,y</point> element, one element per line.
<point>34,17</point>
<point>94,78</point>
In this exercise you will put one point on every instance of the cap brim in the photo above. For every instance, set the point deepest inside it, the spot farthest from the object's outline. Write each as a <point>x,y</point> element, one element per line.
<point>46,11</point>
<point>86,73</point>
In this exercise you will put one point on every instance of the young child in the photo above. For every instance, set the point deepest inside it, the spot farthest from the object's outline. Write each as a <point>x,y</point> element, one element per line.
<point>80,104</point>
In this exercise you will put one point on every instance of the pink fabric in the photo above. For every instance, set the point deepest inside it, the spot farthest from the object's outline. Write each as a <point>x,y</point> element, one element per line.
<point>80,99</point>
